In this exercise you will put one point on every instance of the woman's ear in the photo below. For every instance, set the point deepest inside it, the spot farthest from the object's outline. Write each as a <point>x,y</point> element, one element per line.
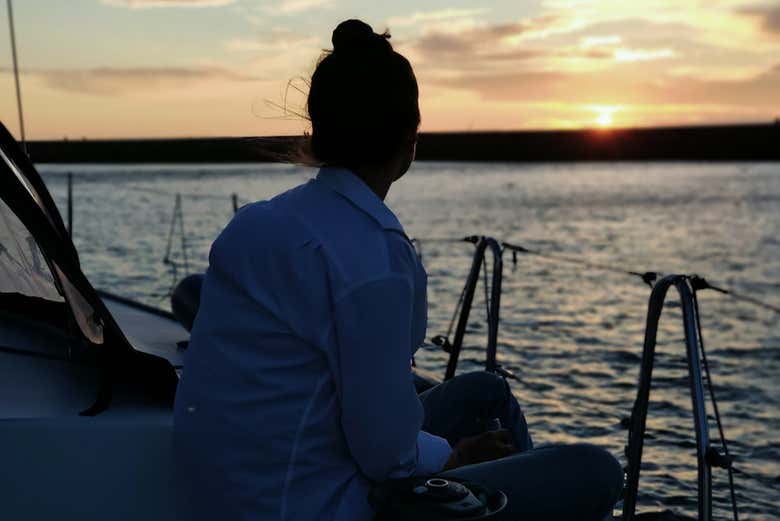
<point>407,154</point>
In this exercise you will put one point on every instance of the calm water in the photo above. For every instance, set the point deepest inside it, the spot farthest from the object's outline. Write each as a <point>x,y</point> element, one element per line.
<point>572,335</point>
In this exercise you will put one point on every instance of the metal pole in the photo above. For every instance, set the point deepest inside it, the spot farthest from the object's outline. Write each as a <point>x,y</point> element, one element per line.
<point>183,236</point>
<point>16,74</point>
<point>460,329</point>
<point>70,204</point>
<point>690,323</point>
<point>495,305</point>
<point>639,412</point>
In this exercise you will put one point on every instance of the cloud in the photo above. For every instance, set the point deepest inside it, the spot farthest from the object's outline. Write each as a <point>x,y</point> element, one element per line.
<point>280,41</point>
<point>635,88</point>
<point>434,16</point>
<point>681,45</point>
<point>279,54</point>
<point>484,42</point>
<point>298,6</point>
<point>110,81</point>
<point>150,4</point>
<point>259,14</point>
<point>549,41</point>
<point>607,46</point>
<point>760,89</point>
<point>611,46</point>
<point>565,4</point>
<point>768,15</point>
<point>638,55</point>
<point>555,71</point>
<point>599,41</point>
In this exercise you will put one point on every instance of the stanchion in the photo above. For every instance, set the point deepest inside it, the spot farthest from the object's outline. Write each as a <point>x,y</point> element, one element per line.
<point>70,204</point>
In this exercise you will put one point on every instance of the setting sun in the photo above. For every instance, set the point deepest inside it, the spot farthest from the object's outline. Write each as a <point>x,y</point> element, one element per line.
<point>604,114</point>
<point>604,119</point>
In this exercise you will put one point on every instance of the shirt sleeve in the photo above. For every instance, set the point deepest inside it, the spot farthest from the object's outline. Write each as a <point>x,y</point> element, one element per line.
<point>381,414</point>
<point>432,453</point>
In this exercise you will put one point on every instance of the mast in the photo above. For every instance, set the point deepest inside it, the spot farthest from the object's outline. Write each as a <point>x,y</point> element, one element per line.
<point>16,74</point>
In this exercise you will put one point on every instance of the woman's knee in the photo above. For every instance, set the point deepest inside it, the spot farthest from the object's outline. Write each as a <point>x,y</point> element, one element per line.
<point>482,383</point>
<point>600,469</point>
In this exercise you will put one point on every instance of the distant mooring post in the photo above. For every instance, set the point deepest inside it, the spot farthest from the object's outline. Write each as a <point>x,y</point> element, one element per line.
<point>70,204</point>
<point>234,197</point>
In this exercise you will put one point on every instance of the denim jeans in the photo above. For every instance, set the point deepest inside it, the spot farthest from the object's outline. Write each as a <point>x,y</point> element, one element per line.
<point>577,482</point>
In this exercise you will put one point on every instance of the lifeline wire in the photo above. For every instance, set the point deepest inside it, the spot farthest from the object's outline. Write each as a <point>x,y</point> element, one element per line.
<point>190,195</point>
<point>647,277</point>
<point>744,298</point>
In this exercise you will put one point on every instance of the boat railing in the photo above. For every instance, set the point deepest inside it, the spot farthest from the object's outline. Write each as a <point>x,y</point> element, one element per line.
<point>686,286</point>
<point>638,418</point>
<point>483,244</point>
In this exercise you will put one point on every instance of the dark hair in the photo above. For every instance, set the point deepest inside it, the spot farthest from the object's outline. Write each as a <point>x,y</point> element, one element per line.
<point>362,99</point>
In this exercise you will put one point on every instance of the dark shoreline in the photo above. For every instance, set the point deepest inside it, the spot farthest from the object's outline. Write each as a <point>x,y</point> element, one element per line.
<point>757,142</point>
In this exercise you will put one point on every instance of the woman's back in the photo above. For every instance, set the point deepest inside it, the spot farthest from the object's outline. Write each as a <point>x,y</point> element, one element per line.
<point>258,412</point>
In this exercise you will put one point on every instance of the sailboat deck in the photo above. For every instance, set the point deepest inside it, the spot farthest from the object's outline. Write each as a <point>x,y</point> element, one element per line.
<point>149,330</point>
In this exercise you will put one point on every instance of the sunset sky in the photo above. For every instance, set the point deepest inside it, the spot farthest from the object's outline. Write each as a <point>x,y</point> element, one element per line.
<point>159,68</point>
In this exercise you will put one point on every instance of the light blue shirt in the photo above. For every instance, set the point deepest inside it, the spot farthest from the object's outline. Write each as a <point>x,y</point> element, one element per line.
<point>297,389</point>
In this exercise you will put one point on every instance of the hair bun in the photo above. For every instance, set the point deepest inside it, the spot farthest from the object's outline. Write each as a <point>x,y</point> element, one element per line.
<point>352,35</point>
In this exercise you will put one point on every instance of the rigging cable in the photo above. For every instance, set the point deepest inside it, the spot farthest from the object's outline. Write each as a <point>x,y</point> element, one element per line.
<point>16,74</point>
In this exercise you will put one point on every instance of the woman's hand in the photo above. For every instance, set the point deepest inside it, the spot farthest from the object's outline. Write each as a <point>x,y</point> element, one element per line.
<point>488,446</point>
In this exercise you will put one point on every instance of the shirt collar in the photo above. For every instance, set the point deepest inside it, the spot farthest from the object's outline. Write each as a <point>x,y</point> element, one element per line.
<point>348,184</point>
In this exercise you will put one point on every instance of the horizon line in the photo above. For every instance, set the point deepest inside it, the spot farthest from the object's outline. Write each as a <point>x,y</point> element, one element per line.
<point>591,129</point>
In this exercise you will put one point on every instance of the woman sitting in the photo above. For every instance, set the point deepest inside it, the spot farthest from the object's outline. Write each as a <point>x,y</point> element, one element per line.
<point>297,393</point>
